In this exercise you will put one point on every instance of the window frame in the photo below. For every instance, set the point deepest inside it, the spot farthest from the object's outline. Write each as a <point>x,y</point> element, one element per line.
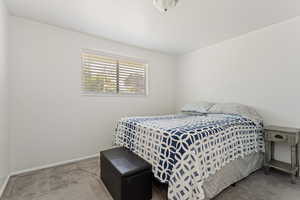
<point>117,57</point>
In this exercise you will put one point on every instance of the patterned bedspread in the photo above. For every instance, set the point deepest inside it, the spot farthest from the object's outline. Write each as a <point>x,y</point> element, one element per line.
<point>185,149</point>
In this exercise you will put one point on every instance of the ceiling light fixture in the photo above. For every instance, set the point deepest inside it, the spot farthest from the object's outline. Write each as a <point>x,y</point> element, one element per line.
<point>165,5</point>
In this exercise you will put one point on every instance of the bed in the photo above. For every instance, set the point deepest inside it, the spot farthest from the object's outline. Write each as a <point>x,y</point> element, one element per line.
<point>198,154</point>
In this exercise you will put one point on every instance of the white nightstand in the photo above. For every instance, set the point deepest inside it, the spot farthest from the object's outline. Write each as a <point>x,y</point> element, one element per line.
<point>277,134</point>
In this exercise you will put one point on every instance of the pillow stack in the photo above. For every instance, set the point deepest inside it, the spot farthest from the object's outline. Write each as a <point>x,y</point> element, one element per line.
<point>204,107</point>
<point>201,107</point>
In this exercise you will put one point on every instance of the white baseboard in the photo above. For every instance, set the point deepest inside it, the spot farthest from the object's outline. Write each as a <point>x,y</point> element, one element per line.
<point>2,188</point>
<point>52,165</point>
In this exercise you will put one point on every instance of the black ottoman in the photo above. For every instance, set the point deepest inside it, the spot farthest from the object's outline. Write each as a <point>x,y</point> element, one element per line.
<point>125,175</point>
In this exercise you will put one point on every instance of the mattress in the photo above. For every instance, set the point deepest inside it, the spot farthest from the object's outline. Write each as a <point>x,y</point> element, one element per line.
<point>186,150</point>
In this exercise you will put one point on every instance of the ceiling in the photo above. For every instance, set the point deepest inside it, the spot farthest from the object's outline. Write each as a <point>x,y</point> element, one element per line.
<point>191,25</point>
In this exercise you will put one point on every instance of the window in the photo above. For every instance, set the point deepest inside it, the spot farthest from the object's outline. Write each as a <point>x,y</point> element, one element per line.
<point>110,74</point>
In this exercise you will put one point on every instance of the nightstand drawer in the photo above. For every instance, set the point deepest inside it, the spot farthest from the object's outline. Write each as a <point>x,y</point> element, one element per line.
<point>276,136</point>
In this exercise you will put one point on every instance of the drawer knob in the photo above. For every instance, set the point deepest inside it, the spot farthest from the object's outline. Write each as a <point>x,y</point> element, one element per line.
<point>278,136</point>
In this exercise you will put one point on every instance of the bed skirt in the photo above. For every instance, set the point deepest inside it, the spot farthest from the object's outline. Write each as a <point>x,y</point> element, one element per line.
<point>232,173</point>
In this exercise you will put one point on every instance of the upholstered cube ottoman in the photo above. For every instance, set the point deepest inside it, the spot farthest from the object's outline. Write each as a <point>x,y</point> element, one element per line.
<point>125,175</point>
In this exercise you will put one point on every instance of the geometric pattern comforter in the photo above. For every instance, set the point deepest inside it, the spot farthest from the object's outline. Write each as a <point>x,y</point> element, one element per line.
<point>186,149</point>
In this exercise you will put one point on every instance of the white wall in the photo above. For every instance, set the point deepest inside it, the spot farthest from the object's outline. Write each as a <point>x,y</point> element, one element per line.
<point>4,155</point>
<point>50,121</point>
<point>260,69</point>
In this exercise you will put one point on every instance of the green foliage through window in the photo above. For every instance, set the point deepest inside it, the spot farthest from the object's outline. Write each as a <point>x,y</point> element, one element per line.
<point>106,75</point>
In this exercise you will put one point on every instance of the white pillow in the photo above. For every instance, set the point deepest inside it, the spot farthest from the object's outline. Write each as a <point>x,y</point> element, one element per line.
<point>199,107</point>
<point>236,109</point>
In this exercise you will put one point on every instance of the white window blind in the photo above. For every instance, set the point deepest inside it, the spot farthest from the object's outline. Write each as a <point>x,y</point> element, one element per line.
<point>112,75</point>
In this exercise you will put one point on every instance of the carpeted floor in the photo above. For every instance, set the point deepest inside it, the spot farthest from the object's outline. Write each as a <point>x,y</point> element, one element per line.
<point>80,181</point>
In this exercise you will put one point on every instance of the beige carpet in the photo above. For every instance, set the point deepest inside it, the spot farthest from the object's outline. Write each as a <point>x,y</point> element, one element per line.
<point>80,181</point>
